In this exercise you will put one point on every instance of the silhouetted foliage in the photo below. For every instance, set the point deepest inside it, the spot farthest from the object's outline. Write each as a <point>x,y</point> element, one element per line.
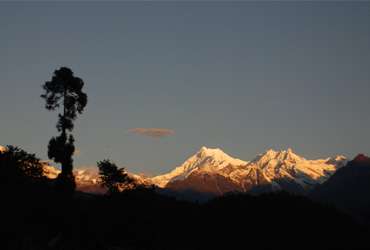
<point>113,178</point>
<point>17,166</point>
<point>61,150</point>
<point>65,91</point>
<point>143,219</point>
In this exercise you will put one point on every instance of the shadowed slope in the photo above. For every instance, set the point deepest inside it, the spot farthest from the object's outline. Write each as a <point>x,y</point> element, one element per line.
<point>349,188</point>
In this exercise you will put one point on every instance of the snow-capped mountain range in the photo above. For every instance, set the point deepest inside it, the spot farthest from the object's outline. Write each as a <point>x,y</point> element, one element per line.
<point>212,171</point>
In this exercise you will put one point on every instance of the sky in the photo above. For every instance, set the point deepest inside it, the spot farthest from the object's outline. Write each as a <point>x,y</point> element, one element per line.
<point>241,76</point>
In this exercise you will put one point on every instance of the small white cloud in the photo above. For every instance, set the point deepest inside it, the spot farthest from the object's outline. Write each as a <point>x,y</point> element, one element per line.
<point>153,132</point>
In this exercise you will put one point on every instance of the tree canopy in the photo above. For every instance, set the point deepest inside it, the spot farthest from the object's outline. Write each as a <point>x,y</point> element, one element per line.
<point>64,89</point>
<point>17,166</point>
<point>113,178</point>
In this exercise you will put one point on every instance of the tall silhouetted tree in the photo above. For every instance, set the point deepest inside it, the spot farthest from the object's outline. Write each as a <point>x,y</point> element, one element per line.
<point>64,91</point>
<point>112,177</point>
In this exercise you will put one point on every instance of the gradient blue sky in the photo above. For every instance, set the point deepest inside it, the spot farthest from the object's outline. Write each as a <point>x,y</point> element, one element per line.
<point>244,77</point>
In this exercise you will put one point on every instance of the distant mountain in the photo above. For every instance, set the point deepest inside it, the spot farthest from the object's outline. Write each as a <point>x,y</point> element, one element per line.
<point>348,188</point>
<point>215,172</point>
<point>206,160</point>
<point>87,180</point>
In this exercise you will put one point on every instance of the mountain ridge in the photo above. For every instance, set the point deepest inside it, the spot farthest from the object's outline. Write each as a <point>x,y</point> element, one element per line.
<point>275,170</point>
<point>214,171</point>
<point>348,188</point>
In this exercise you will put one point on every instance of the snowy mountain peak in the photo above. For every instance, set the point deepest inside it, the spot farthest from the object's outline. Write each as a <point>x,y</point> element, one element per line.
<point>289,155</point>
<point>206,160</point>
<point>282,155</point>
<point>215,155</point>
<point>204,151</point>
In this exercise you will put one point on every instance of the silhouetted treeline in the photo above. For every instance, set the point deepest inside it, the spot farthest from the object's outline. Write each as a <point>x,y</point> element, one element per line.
<point>35,215</point>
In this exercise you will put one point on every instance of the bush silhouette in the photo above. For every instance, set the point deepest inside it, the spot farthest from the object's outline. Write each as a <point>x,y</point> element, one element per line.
<point>19,167</point>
